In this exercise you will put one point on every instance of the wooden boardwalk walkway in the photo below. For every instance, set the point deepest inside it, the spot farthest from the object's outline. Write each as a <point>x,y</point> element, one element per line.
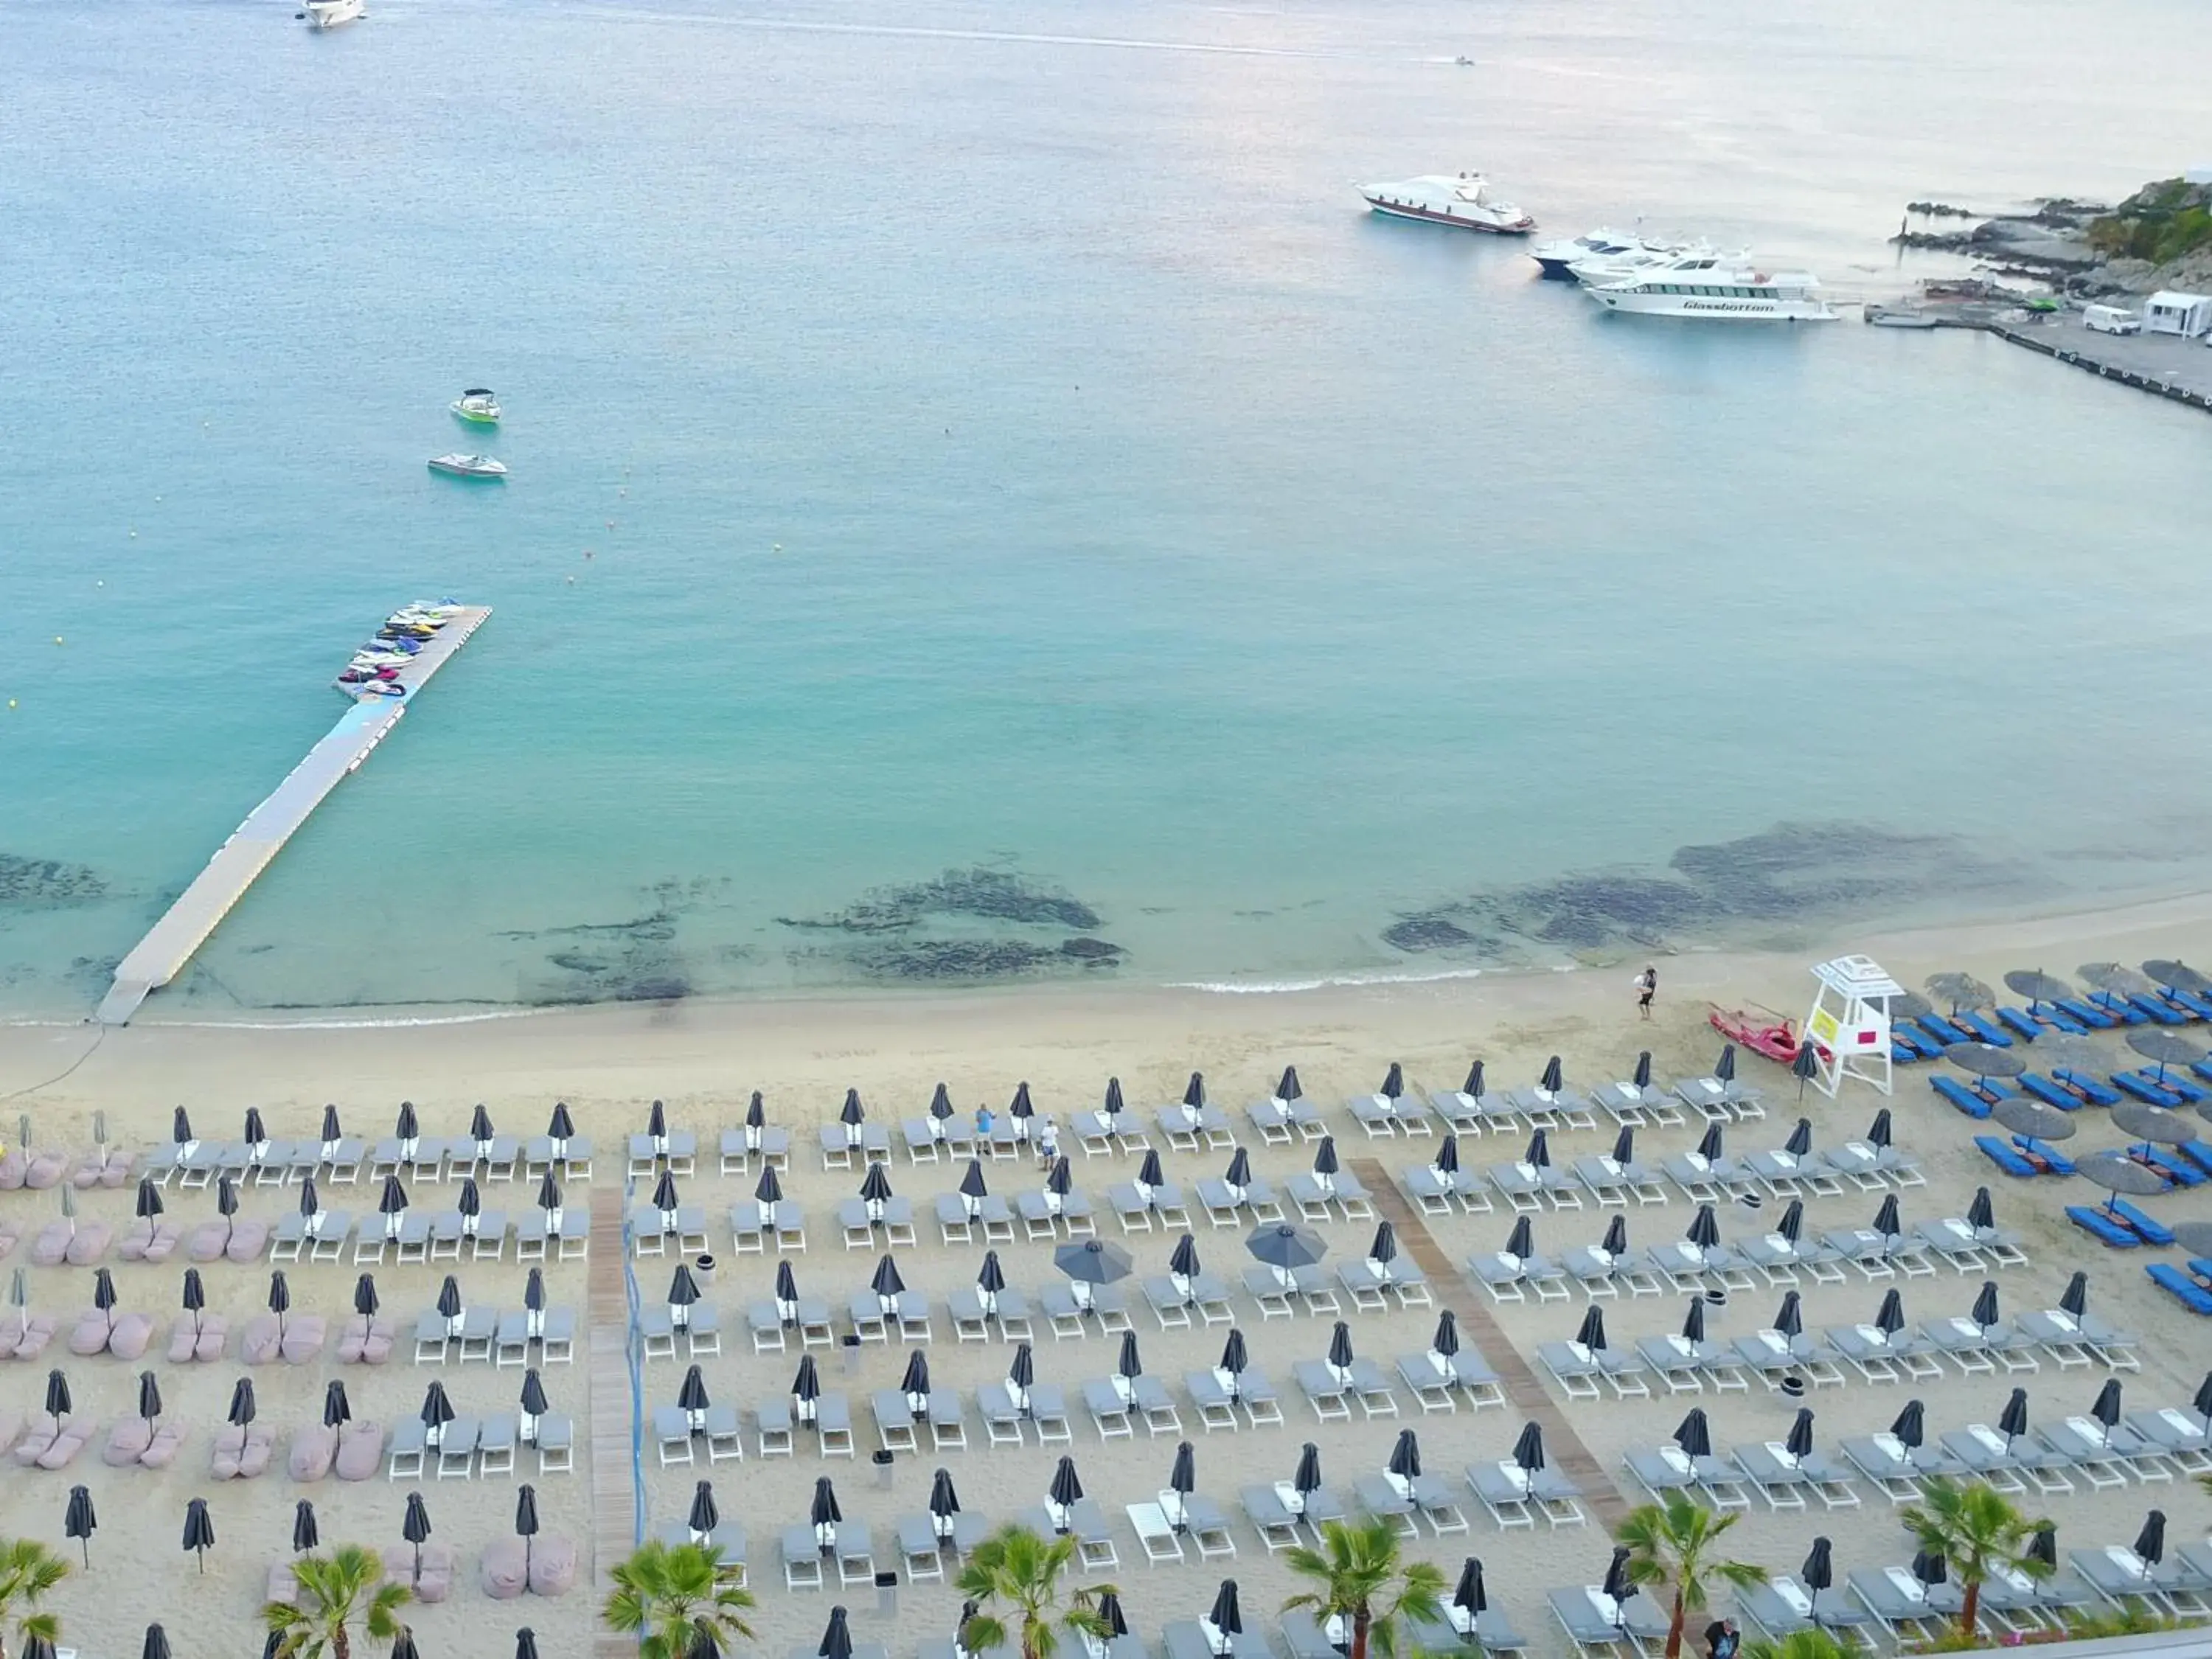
<point>614,1505</point>
<point>1523,1391</point>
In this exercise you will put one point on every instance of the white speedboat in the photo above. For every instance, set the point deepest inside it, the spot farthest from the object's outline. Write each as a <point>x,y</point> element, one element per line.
<point>1718,288</point>
<point>328,13</point>
<point>476,406</point>
<point>468,466</point>
<point>1556,257</point>
<point>1463,201</point>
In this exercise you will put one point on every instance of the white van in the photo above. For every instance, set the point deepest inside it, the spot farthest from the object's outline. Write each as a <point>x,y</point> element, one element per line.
<point>2112,319</point>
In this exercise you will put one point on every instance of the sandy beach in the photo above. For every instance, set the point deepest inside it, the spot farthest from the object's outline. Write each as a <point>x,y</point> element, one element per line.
<point>702,1059</point>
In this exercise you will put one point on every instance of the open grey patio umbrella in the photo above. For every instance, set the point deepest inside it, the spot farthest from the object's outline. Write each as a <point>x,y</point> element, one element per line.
<point>2166,1048</point>
<point>1473,1088</point>
<point>1405,1455</point>
<point>2177,976</point>
<point>2032,1119</point>
<point>199,1530</point>
<point>2012,1422</point>
<point>2139,1120</point>
<point>2037,987</point>
<point>2194,1237</point>
<point>2118,1173</point>
<point>837,1639</point>
<point>1286,1245</point>
<point>1091,1260</point>
<point>414,1527</point>
<point>1985,1059</point>
<point>1528,1448</point>
<point>1789,1317</point>
<point>2116,980</point>
<point>1288,1088</point>
<point>1194,1094</point>
<point>1694,1435</point>
<point>78,1521</point>
<point>337,1410</point>
<point>1468,1595</point>
<point>305,1533</point>
<point>2107,1410</point>
<point>1910,1005</point>
<point>2150,1542</point>
<point>1800,1441</point>
<point>1911,1426</point>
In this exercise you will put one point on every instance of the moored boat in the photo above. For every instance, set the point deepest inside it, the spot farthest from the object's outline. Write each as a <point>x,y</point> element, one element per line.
<point>1463,202</point>
<point>1716,287</point>
<point>1558,257</point>
<point>468,466</point>
<point>328,13</point>
<point>477,406</point>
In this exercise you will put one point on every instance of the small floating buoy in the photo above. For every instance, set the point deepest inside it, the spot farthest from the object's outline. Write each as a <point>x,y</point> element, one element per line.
<point>588,552</point>
<point>97,583</point>
<point>778,548</point>
<point>11,703</point>
<point>624,492</point>
<point>572,581</point>
<point>58,639</point>
<point>611,524</point>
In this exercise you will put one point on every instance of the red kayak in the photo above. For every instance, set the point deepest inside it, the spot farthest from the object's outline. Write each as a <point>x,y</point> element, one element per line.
<point>1774,1037</point>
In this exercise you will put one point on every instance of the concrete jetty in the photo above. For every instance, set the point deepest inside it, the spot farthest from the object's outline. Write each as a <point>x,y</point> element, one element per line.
<point>184,928</point>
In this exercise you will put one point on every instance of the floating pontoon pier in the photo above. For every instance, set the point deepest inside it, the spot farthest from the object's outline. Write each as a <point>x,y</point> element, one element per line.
<point>162,954</point>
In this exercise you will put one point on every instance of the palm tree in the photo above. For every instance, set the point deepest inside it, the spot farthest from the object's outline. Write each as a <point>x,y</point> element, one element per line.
<point>679,1600</point>
<point>28,1570</point>
<point>1358,1576</point>
<point>1977,1531</point>
<point>333,1590</point>
<point>1798,1644</point>
<point>1019,1570</point>
<point>1678,1540</point>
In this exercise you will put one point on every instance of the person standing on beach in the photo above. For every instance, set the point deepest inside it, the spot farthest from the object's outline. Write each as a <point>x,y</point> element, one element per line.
<point>1647,987</point>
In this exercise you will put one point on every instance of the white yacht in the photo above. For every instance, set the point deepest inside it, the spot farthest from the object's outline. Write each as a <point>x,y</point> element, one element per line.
<point>328,13</point>
<point>1437,199</point>
<point>1634,262</point>
<point>1556,258</point>
<point>1721,288</point>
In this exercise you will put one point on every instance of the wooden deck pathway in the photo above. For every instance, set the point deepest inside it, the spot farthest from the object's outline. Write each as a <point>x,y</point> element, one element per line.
<point>1523,1391</point>
<point>614,1506</point>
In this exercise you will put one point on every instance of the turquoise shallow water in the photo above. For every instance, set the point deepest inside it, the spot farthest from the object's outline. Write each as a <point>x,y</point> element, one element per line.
<point>990,436</point>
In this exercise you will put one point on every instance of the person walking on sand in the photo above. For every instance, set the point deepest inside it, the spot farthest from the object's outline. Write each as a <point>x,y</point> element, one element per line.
<point>1647,987</point>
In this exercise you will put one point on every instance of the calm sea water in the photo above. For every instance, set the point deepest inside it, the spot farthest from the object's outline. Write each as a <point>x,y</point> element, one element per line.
<point>989,436</point>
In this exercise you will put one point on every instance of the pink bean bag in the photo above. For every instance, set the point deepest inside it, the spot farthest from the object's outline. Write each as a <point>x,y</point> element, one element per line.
<point>242,1454</point>
<point>21,1338</point>
<point>502,1572</point>
<point>127,1442</point>
<point>552,1565</point>
<point>132,1336</point>
<point>12,1166</point>
<point>8,1234</point>
<point>314,1447</point>
<point>365,1342</point>
<point>64,1447</point>
<point>434,1583</point>
<point>109,1172</point>
<point>360,1451</point>
<point>138,1245</point>
<point>44,1171</point>
<point>284,1589</point>
<point>187,1346</point>
<point>168,1440</point>
<point>88,1336</point>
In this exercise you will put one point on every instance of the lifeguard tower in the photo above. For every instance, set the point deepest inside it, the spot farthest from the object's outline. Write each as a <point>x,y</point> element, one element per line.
<point>1849,1023</point>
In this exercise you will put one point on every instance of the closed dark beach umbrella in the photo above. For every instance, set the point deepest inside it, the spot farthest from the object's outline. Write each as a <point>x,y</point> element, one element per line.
<point>1109,1613</point>
<point>875,1185</point>
<point>1234,1359</point>
<point>1394,1082</point>
<point>199,1530</point>
<point>1286,1245</point>
<point>1384,1247</point>
<point>1889,1318</point>
<point>404,1127</point>
<point>806,1381</point>
<point>2150,1542</point>
<point>1307,1476</point>
<point>525,1519</point>
<point>1066,1488</point>
<point>944,1500</point>
<point>1228,1618</point>
<point>1623,1146</point>
<point>414,1527</point>
<point>392,1200</point>
<point>1710,1143</point>
<point>663,1190</point>
<point>1930,1567</point>
<point>437,1410</point>
<point>533,1290</point>
<point>1539,1155</point>
<point>915,1378</point>
<point>1694,1321</point>
<point>991,1277</point>
<point>837,1639</point>
<point>157,1643</point>
<point>1617,1586</point>
<point>78,1521</point>
<point>1113,1102</point>
<point>852,1112</point>
<point>656,1122</point>
<point>58,1395</point>
<point>305,1533</point>
<point>1819,1572</point>
<point>1792,1224</point>
<point>1092,1260</point>
<point>941,1103</point>
<point>1128,1363</point>
<point>480,1129</point>
<point>549,1192</point>
<point>243,1406</point>
<point>403,1645</point>
<point>1705,1229</point>
<point>1910,1427</point>
<point>1447,1158</point>
<point>1469,1595</point>
<point>534,1393</point>
<point>310,1201</point>
<point>1288,1088</point>
<point>255,1131</point>
<point>1694,1435</point>
<point>1325,1156</point>
<point>1551,1082</point>
<point>1615,1241</point>
<point>180,1128</point>
<point>1062,1180</point>
<point>1473,1088</point>
<point>1981,1213</point>
<point>692,1396</point>
<point>1148,1172</point>
<point>823,1510</point>
<point>1880,1131</point>
<point>1021,1105</point>
<point>103,1292</point>
<point>1805,1065</point>
<point>471,1202</point>
<point>1789,1317</point>
<point>1800,1442</point>
<point>449,1299</point>
<point>1725,1067</point>
<point>1642,1077</point>
<point>2012,1423</point>
<point>332,1133</point>
<point>1521,1240</point>
<point>1591,1334</point>
<point>1194,1094</point>
<point>1021,1370</point>
<point>1528,1448</point>
<point>1986,1304</point>
<point>149,1203</point>
<point>226,1203</point>
<point>972,1183</point>
<point>705,1516</point>
<point>786,1283</point>
<point>1886,1220</point>
<point>885,1280</point>
<point>767,1189</point>
<point>2076,1300</point>
<point>2044,1545</point>
<point>682,1288</point>
<point>1339,1346</point>
<point>757,1112</point>
<point>1239,1172</point>
<point>149,1397</point>
<point>2107,1410</point>
<point>1183,1259</point>
<point>1801,1139</point>
<point>337,1410</point>
<point>1405,1456</point>
<point>560,1126</point>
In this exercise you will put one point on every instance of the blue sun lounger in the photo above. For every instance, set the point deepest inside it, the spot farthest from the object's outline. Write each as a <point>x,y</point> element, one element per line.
<point>2180,1170</point>
<point>2189,1089</point>
<point>2101,1227</point>
<point>2180,1286</point>
<point>1909,1045</point>
<point>2198,1152</point>
<point>2032,1025</point>
<point>2005,1158</point>
<point>2188,1001</point>
<point>1960,1095</point>
<point>1979,1024</point>
<point>1943,1030</point>
<point>2145,1089</point>
<point>2158,1010</point>
<point>2148,1228</point>
<point>2096,1019</point>
<point>2054,1162</point>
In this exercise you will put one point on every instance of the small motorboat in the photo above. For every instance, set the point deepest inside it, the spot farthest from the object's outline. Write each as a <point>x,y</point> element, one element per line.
<point>477,406</point>
<point>468,466</point>
<point>1764,1033</point>
<point>329,14</point>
